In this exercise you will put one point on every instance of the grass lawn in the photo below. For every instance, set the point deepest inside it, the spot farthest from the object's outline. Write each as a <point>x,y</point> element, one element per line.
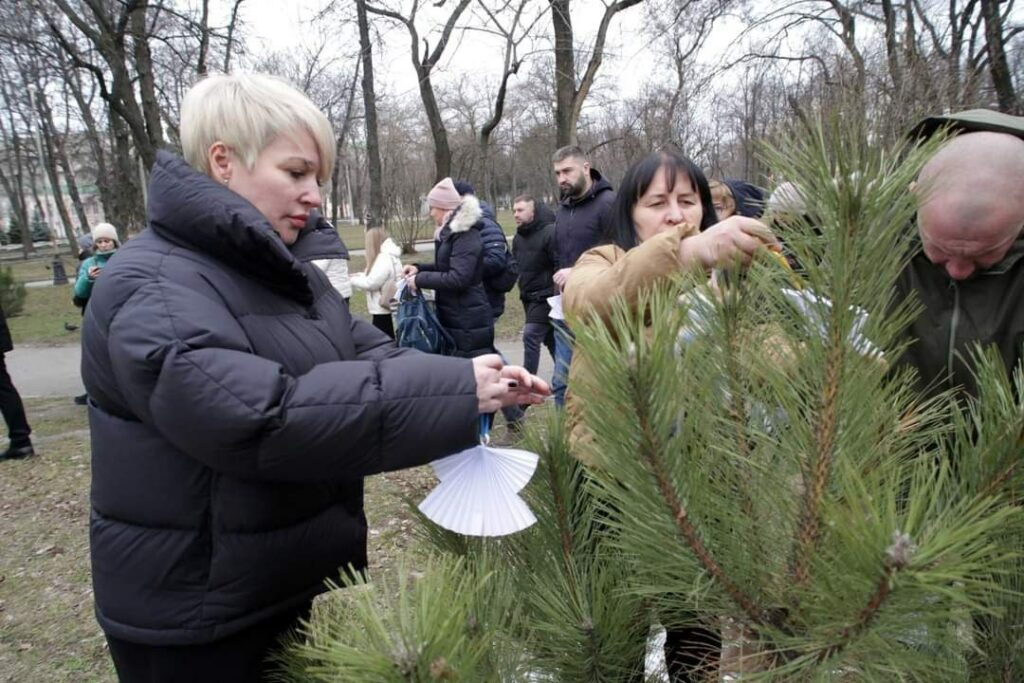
<point>42,320</point>
<point>48,308</point>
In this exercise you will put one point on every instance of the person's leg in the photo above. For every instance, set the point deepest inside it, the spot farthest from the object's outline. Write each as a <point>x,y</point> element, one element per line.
<point>241,657</point>
<point>533,337</point>
<point>563,359</point>
<point>384,323</point>
<point>513,414</point>
<point>13,411</point>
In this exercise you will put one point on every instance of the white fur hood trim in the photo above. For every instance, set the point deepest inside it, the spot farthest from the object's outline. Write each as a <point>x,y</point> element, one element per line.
<point>390,248</point>
<point>466,216</point>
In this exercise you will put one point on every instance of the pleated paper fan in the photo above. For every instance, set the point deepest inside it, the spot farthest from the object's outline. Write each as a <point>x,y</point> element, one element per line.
<point>515,465</point>
<point>477,506</point>
<point>478,493</point>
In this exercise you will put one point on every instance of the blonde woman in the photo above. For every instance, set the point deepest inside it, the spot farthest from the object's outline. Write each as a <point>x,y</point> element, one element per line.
<point>235,405</point>
<point>384,265</point>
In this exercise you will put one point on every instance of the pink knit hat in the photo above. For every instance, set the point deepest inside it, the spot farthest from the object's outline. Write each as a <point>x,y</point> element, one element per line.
<point>444,196</point>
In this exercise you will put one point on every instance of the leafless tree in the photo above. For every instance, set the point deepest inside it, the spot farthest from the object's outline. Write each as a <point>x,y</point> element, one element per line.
<point>424,63</point>
<point>570,96</point>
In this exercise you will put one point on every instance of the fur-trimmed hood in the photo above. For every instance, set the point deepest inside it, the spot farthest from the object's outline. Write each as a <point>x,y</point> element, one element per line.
<point>467,215</point>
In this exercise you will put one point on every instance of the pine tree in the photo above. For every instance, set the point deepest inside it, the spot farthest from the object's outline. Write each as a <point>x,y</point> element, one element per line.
<point>760,465</point>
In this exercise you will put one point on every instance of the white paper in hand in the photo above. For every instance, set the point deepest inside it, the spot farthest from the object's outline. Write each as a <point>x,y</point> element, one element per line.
<point>555,302</point>
<point>478,493</point>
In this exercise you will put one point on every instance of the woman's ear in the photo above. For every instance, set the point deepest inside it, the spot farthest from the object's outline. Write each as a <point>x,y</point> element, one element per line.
<point>221,162</point>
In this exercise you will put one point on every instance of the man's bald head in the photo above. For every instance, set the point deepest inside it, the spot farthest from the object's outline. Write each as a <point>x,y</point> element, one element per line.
<point>972,207</point>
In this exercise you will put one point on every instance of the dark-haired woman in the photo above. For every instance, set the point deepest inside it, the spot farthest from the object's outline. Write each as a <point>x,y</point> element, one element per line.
<point>662,222</point>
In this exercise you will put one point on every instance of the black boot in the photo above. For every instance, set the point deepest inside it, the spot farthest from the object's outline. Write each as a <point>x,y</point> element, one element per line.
<point>18,452</point>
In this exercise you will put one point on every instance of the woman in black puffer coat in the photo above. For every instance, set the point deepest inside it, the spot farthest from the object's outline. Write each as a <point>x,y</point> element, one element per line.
<point>457,273</point>
<point>234,403</point>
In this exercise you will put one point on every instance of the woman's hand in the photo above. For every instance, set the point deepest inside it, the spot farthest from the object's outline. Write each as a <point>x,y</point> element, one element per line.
<point>499,385</point>
<point>735,238</point>
<point>409,275</point>
<point>94,272</point>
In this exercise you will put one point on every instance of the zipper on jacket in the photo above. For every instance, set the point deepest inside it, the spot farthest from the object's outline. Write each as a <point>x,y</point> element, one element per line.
<point>953,323</point>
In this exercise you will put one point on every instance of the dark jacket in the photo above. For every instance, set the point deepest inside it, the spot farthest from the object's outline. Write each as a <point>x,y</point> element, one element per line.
<point>749,198</point>
<point>6,344</point>
<point>456,275</point>
<point>234,408</point>
<point>579,222</point>
<point>985,309</point>
<point>495,246</point>
<point>536,252</point>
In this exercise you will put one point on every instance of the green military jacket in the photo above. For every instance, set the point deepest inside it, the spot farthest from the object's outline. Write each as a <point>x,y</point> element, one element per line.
<point>987,309</point>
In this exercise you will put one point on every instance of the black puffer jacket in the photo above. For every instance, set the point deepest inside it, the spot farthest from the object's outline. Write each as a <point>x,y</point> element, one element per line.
<point>456,275</point>
<point>536,252</point>
<point>495,246</point>
<point>235,407</point>
<point>579,222</point>
<point>6,344</point>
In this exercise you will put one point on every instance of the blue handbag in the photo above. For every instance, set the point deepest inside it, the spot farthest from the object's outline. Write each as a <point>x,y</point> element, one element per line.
<point>417,325</point>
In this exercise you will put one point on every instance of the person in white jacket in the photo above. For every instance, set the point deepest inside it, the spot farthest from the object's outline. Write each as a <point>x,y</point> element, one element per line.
<point>383,265</point>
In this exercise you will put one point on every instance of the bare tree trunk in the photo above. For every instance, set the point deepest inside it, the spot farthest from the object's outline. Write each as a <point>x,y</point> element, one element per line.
<point>891,48</point>
<point>92,136</point>
<point>565,73</point>
<point>147,82</point>
<point>129,211</point>
<point>375,211</point>
<point>17,199</point>
<point>15,186</point>
<point>231,35</point>
<point>59,141</point>
<point>424,66</point>
<point>442,152</point>
<point>568,98</point>
<point>998,67</point>
<point>204,38</point>
<point>50,163</point>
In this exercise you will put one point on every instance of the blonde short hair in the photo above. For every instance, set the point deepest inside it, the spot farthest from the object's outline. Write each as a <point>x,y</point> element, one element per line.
<point>722,194</point>
<point>246,111</point>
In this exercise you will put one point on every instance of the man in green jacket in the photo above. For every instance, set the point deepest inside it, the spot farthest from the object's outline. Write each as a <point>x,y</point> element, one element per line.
<point>969,271</point>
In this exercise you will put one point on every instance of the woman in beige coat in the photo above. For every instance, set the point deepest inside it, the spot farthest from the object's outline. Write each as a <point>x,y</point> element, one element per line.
<point>662,223</point>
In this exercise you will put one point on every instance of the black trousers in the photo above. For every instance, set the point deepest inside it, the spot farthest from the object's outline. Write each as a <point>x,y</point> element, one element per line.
<point>13,409</point>
<point>384,323</point>
<point>241,658</point>
<point>536,335</point>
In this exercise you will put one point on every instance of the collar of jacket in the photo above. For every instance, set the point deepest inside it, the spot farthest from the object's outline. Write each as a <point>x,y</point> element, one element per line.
<point>319,240</point>
<point>466,216</point>
<point>597,185</point>
<point>190,209</point>
<point>542,216</point>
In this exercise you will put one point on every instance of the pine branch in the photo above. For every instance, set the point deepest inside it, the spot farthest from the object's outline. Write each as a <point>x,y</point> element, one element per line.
<point>897,557</point>
<point>650,452</point>
<point>825,434</point>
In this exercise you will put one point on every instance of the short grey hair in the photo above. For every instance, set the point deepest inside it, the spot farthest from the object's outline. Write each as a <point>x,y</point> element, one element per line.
<point>247,111</point>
